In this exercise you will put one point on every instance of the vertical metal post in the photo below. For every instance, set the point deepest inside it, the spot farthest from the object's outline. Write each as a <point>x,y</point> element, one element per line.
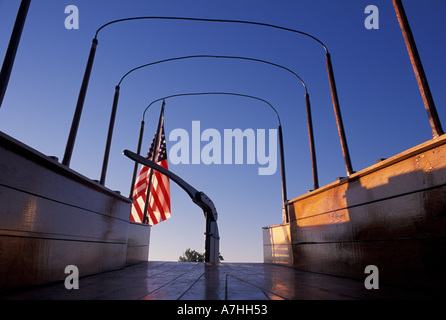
<point>12,47</point>
<point>135,168</point>
<point>334,96</point>
<point>109,136</point>
<point>80,104</point>
<point>426,94</point>
<point>311,137</point>
<point>282,169</point>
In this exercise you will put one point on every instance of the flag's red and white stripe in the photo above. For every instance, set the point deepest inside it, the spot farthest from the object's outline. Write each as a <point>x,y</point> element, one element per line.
<point>159,198</point>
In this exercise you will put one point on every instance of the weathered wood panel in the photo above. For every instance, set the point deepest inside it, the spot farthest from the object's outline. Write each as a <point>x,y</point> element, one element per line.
<point>138,243</point>
<point>416,263</point>
<point>28,261</point>
<point>31,215</point>
<point>29,171</point>
<point>417,169</point>
<point>402,217</point>
<point>277,245</point>
<point>392,215</point>
<point>52,217</point>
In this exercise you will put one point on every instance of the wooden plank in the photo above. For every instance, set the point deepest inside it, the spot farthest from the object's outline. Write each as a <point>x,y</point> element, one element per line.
<point>27,170</point>
<point>277,245</point>
<point>32,261</point>
<point>31,216</point>
<point>138,243</point>
<point>393,212</point>
<point>419,168</point>
<point>177,282</point>
<point>415,263</point>
<point>52,217</point>
<point>164,280</point>
<point>210,285</point>
<point>418,215</point>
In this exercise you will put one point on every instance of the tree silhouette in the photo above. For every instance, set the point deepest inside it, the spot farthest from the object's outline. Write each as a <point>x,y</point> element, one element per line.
<point>194,256</point>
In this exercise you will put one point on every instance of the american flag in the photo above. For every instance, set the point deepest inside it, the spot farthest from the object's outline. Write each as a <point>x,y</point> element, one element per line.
<point>159,198</point>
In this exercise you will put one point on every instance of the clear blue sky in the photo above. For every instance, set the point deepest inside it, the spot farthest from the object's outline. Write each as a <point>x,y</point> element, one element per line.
<point>380,102</point>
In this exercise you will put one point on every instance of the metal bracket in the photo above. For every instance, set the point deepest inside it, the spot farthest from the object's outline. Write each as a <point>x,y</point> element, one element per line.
<point>212,241</point>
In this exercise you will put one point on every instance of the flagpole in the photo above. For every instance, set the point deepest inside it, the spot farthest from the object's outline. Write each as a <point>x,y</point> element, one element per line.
<point>156,147</point>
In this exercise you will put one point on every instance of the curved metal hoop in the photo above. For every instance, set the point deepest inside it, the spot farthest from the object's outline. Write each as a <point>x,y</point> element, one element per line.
<point>217,57</point>
<point>307,102</point>
<point>78,110</point>
<point>281,148</point>
<point>212,93</point>
<point>213,20</point>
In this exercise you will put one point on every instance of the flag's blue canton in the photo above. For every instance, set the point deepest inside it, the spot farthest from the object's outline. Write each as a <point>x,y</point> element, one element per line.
<point>162,154</point>
<point>150,152</point>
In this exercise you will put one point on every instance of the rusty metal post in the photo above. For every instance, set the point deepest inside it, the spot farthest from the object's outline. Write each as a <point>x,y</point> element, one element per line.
<point>109,136</point>
<point>312,147</point>
<point>8,62</point>
<point>334,96</point>
<point>426,94</point>
<point>79,106</point>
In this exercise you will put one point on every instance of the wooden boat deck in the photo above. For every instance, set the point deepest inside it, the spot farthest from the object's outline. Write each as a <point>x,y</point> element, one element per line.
<point>227,281</point>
